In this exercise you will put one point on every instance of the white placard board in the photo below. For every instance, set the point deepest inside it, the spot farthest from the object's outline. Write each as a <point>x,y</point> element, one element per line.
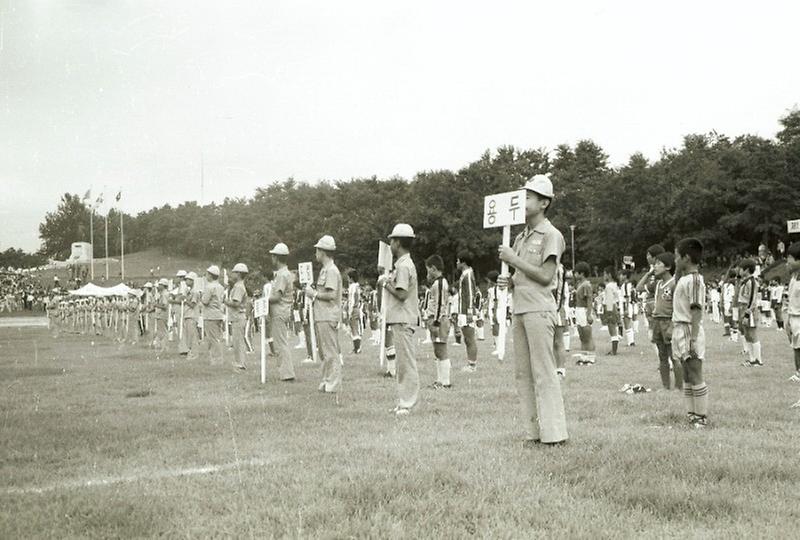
<point>503,209</point>
<point>305,273</point>
<point>384,256</point>
<point>261,307</point>
<point>793,225</point>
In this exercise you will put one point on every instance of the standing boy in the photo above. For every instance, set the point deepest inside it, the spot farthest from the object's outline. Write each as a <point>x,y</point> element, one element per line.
<point>611,299</point>
<point>583,314</point>
<point>747,303</point>
<point>438,319</point>
<point>688,337</point>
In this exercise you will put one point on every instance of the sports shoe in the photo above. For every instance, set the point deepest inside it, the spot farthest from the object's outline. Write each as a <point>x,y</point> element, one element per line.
<point>439,386</point>
<point>308,360</point>
<point>699,422</point>
<point>401,411</point>
<point>321,387</point>
<point>388,375</point>
<point>469,368</point>
<point>561,372</point>
<point>795,377</point>
<point>495,353</point>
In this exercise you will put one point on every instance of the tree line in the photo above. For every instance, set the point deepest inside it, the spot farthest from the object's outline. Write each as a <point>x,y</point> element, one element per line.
<point>731,193</point>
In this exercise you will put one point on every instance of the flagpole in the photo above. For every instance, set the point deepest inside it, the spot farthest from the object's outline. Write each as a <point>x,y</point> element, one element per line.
<point>122,246</point>
<point>106,246</point>
<point>91,237</point>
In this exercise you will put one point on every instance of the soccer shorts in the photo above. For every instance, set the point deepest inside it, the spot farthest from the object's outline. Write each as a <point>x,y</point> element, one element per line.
<point>793,330</point>
<point>662,331</point>
<point>681,340</point>
<point>439,332</point>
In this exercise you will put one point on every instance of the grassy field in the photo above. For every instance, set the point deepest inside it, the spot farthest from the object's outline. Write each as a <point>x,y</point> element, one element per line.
<point>105,440</point>
<point>137,268</point>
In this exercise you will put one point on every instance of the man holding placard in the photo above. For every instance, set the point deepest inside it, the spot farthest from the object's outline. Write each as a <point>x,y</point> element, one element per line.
<point>402,314</point>
<point>213,316</point>
<point>535,257</point>
<point>236,302</point>
<point>280,310</point>
<point>327,306</point>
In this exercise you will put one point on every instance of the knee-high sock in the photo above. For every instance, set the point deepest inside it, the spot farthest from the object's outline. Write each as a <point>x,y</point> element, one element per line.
<point>629,336</point>
<point>747,348</point>
<point>443,371</point>
<point>566,340</point>
<point>700,392</point>
<point>688,398</point>
<point>756,351</point>
<point>636,326</point>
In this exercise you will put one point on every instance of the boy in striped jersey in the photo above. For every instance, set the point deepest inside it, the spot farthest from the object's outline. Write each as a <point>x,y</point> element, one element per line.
<point>688,337</point>
<point>747,302</point>
<point>466,308</point>
<point>791,315</point>
<point>438,319</point>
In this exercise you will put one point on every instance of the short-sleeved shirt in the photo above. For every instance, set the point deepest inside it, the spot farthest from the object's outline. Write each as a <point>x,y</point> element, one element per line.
<point>404,277</point>
<point>748,293</point>
<point>793,302</point>
<point>689,293</point>
<point>583,295</point>
<point>466,292</point>
<point>662,309</point>
<point>191,306</point>
<point>238,292</point>
<point>611,296</point>
<point>212,301</point>
<point>535,246</point>
<point>162,302</point>
<point>284,284</point>
<point>330,279</point>
<point>437,304</point>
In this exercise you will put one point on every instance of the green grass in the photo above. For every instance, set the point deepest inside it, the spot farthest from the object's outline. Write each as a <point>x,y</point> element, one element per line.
<point>137,267</point>
<point>313,465</point>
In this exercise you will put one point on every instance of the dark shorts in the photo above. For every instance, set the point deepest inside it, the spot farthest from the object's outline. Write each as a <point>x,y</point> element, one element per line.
<point>662,331</point>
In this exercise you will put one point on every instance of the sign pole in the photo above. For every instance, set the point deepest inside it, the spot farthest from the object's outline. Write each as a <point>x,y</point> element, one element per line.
<point>385,262</point>
<point>502,301</point>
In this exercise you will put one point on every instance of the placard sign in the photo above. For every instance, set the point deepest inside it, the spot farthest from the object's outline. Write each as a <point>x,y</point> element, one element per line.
<point>261,307</point>
<point>793,225</point>
<point>504,209</point>
<point>384,256</point>
<point>305,273</point>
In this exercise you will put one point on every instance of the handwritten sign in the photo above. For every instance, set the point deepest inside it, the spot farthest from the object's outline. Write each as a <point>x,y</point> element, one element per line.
<point>261,307</point>
<point>384,256</point>
<point>504,209</point>
<point>793,225</point>
<point>305,273</point>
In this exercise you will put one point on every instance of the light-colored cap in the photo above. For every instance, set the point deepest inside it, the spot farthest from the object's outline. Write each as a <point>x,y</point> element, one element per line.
<point>181,273</point>
<point>540,184</point>
<point>148,285</point>
<point>163,282</point>
<point>191,275</point>
<point>213,270</point>
<point>241,268</point>
<point>326,243</point>
<point>402,230</point>
<point>280,249</point>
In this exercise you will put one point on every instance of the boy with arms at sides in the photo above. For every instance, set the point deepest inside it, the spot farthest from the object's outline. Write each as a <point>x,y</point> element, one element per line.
<point>439,320</point>
<point>611,299</point>
<point>583,314</point>
<point>662,319</point>
<point>688,337</point>
<point>747,302</point>
<point>791,318</point>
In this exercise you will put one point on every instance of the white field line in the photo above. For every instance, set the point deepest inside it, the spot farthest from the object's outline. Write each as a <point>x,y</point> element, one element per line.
<point>154,475</point>
<point>22,322</point>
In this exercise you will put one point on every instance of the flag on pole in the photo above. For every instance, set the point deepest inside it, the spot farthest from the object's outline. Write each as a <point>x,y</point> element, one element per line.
<point>88,195</point>
<point>118,197</point>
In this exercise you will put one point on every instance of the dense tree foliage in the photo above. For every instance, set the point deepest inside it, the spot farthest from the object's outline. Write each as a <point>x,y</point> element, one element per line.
<point>731,193</point>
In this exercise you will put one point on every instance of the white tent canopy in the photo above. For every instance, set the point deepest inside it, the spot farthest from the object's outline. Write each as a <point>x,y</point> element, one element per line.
<point>90,289</point>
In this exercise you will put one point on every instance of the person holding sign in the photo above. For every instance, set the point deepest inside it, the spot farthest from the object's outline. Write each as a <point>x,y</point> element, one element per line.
<point>535,257</point>
<point>402,314</point>
<point>281,299</point>
<point>327,306</point>
<point>237,302</point>
<point>213,316</point>
<point>191,301</point>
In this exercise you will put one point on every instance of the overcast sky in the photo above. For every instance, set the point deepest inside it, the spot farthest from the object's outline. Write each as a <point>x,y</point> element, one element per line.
<point>130,94</point>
